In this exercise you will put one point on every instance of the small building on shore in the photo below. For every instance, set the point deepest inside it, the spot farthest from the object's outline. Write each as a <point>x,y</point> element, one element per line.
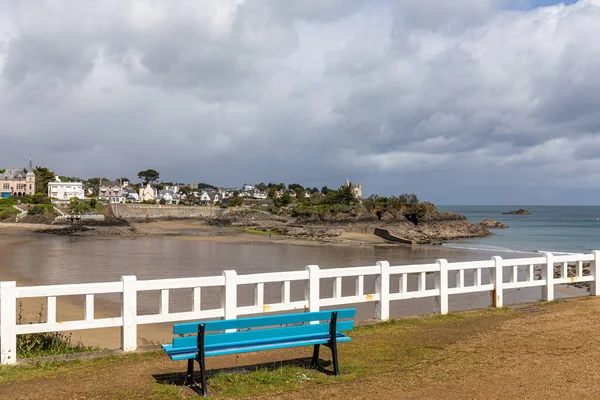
<point>112,191</point>
<point>65,191</point>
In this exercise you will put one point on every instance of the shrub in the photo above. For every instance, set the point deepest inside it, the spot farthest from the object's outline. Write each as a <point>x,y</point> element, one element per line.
<point>40,209</point>
<point>77,206</point>
<point>44,344</point>
<point>8,202</point>
<point>236,202</point>
<point>341,208</point>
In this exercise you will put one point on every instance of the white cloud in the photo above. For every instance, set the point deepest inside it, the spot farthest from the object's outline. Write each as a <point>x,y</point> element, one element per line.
<point>308,91</point>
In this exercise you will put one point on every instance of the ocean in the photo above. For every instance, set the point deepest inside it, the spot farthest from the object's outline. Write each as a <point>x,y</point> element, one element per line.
<point>568,229</point>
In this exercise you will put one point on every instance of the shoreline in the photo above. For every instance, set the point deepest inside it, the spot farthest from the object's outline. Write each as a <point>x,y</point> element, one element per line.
<point>198,229</point>
<point>192,229</point>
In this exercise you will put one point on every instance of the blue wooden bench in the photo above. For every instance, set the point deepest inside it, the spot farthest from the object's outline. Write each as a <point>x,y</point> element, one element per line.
<point>275,332</point>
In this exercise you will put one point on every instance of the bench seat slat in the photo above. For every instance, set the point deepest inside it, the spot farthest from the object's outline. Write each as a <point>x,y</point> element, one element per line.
<point>256,341</point>
<point>191,352</point>
<point>261,334</point>
<point>241,323</point>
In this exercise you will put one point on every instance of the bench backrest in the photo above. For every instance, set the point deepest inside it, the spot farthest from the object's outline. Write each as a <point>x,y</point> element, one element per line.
<point>273,327</point>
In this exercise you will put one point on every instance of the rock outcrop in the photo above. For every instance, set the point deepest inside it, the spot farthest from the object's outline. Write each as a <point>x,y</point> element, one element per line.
<point>520,211</point>
<point>434,232</point>
<point>493,224</point>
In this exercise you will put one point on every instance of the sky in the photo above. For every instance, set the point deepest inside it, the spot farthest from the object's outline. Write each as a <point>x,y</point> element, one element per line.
<point>461,102</point>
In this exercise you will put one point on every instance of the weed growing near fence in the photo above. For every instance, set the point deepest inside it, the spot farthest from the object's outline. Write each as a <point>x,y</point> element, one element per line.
<point>45,344</point>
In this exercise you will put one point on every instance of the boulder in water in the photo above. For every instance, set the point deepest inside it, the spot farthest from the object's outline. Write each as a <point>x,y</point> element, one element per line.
<point>493,224</point>
<point>520,211</point>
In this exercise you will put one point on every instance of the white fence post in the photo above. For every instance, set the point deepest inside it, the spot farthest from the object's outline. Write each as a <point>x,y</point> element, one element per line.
<point>312,290</point>
<point>595,272</point>
<point>8,322</point>
<point>548,273</point>
<point>129,313</point>
<point>498,280</point>
<point>383,289</point>
<point>229,296</point>
<point>441,283</point>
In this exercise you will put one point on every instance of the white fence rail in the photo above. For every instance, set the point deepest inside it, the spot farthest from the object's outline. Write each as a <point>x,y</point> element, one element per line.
<point>449,279</point>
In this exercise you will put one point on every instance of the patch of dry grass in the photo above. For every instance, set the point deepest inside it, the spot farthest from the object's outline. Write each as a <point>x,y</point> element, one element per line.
<point>486,354</point>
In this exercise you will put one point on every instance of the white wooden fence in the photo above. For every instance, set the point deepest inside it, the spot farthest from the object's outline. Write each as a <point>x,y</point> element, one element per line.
<point>449,279</point>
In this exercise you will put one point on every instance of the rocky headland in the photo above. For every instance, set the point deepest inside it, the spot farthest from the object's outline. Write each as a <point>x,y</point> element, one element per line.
<point>416,225</point>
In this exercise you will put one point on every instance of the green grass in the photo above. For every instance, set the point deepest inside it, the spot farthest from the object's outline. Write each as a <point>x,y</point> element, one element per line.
<point>266,381</point>
<point>49,369</point>
<point>8,212</point>
<point>394,346</point>
<point>258,232</point>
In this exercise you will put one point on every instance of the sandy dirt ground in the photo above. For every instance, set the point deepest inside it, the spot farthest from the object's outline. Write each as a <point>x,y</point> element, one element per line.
<point>550,353</point>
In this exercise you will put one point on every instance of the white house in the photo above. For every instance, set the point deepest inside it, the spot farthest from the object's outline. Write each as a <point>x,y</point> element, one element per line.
<point>65,190</point>
<point>210,197</point>
<point>147,193</point>
<point>130,195</point>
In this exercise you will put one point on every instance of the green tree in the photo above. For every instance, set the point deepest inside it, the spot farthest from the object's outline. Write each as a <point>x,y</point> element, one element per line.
<point>149,176</point>
<point>236,201</point>
<point>203,185</point>
<point>300,194</point>
<point>283,200</point>
<point>409,198</point>
<point>42,176</point>
<point>187,192</point>
<point>261,186</point>
<point>325,190</point>
<point>272,192</point>
<point>40,198</point>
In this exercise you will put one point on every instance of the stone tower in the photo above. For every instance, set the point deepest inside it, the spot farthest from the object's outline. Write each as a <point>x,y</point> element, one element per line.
<point>30,179</point>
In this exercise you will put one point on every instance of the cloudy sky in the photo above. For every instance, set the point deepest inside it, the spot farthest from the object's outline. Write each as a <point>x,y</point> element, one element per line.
<point>461,102</point>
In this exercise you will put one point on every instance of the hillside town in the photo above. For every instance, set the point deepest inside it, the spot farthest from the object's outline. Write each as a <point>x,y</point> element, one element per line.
<point>18,182</point>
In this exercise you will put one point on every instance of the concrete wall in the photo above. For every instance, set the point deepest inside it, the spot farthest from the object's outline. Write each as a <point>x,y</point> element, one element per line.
<point>387,235</point>
<point>142,211</point>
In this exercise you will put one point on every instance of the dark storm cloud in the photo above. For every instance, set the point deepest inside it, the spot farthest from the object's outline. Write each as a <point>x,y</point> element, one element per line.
<point>401,95</point>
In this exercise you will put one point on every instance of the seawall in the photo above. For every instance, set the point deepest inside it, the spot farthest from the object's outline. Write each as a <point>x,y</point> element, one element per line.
<point>143,211</point>
<point>387,235</point>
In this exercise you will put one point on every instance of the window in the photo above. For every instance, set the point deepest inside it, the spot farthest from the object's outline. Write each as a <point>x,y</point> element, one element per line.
<point>6,186</point>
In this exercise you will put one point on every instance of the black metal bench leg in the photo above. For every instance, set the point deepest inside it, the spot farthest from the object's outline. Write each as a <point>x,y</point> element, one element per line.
<point>203,376</point>
<point>315,358</point>
<point>189,376</point>
<point>201,357</point>
<point>334,356</point>
<point>333,343</point>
